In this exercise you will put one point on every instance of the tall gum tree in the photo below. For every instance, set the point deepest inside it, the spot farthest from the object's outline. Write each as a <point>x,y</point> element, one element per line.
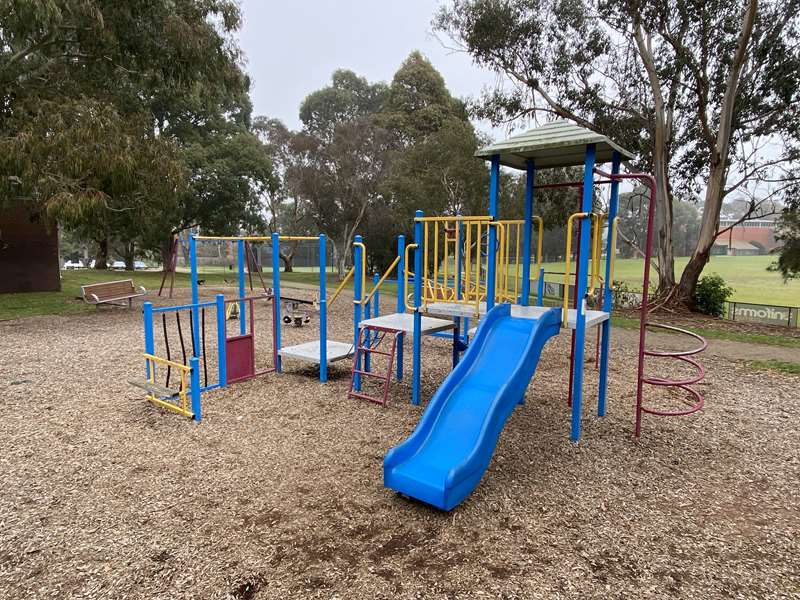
<point>707,93</point>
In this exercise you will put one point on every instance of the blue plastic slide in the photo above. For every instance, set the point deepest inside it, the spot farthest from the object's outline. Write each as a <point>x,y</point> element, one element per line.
<point>443,460</point>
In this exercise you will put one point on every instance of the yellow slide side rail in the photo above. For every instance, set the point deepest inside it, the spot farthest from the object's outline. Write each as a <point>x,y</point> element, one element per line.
<point>183,390</point>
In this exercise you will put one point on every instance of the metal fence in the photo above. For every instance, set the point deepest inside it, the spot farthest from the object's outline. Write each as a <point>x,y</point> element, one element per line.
<point>743,312</point>
<point>768,314</point>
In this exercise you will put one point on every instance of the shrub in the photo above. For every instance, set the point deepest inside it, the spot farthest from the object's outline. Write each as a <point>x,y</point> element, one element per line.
<point>711,294</point>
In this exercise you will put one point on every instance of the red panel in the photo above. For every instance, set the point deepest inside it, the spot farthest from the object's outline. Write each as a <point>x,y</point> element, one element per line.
<point>240,358</point>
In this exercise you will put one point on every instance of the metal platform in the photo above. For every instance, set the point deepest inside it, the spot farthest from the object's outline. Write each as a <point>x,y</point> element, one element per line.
<point>309,351</point>
<point>451,309</point>
<point>593,317</point>
<point>405,322</point>
<point>454,309</point>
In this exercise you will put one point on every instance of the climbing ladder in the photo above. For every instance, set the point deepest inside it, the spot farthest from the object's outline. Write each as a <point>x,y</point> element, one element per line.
<point>370,338</point>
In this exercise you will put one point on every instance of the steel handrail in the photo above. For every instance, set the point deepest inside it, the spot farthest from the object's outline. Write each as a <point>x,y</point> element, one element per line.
<point>381,280</point>
<point>568,259</point>
<point>341,286</point>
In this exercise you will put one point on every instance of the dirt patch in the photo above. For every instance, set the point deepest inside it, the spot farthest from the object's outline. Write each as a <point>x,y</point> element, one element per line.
<point>278,493</point>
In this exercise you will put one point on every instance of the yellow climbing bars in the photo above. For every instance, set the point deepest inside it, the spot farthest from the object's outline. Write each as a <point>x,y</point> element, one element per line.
<point>182,408</point>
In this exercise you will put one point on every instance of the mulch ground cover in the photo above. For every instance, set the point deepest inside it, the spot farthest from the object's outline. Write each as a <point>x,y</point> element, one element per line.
<point>278,492</point>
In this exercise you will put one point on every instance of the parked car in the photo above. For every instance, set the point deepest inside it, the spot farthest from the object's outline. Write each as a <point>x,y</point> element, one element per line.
<point>138,264</point>
<point>74,264</point>
<point>118,264</point>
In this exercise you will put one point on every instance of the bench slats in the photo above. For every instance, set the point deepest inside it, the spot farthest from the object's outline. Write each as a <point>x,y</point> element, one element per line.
<point>97,293</point>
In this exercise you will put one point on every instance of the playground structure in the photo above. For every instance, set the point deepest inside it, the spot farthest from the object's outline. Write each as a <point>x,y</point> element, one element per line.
<point>449,451</point>
<point>463,267</point>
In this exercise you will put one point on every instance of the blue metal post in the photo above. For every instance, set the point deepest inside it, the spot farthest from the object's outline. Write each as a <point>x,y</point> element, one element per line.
<point>491,253</point>
<point>276,291</point>
<point>222,364</point>
<point>581,270</point>
<point>527,233</point>
<point>417,339</point>
<point>195,291</point>
<point>607,296</point>
<point>358,261</point>
<point>194,391</point>
<point>377,296</point>
<point>323,311</point>
<point>540,288</point>
<point>149,344</point>
<point>401,299</point>
<point>193,267</point>
<point>242,292</point>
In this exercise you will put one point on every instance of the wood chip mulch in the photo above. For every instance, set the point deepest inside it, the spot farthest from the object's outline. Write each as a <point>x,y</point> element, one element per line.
<point>278,492</point>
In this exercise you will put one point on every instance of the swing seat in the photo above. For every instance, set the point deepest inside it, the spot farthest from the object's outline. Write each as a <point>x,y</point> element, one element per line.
<point>159,391</point>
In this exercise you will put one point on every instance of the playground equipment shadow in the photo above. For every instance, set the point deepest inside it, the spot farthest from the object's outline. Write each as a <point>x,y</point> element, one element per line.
<point>278,493</point>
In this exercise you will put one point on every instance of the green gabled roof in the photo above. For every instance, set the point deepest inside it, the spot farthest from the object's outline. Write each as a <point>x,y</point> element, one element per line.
<point>556,144</point>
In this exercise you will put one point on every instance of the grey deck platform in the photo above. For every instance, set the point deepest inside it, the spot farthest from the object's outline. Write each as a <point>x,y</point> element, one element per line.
<point>405,322</point>
<point>309,351</point>
<point>451,309</point>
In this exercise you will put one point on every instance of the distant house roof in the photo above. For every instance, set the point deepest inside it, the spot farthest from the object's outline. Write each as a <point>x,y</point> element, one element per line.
<point>736,244</point>
<point>556,144</point>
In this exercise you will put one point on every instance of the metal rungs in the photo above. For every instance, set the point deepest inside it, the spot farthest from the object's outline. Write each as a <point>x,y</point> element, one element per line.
<point>363,396</point>
<point>373,350</point>
<point>370,374</point>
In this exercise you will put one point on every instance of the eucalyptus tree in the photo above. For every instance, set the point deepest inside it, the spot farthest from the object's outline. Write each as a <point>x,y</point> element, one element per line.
<point>152,86</point>
<point>705,92</point>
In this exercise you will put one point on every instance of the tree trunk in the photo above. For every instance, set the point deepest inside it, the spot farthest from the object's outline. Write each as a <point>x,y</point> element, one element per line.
<point>130,255</point>
<point>666,251</point>
<point>167,255</point>
<point>708,233</point>
<point>287,262</point>
<point>101,257</point>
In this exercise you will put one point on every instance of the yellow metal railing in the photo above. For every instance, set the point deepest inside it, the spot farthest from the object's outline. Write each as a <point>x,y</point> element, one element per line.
<point>445,240</point>
<point>363,267</point>
<point>183,390</point>
<point>448,241</point>
<point>340,287</point>
<point>381,280</point>
<point>595,246</point>
<point>612,250</point>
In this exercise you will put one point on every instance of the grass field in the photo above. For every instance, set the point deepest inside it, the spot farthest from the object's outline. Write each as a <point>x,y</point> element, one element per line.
<point>14,306</point>
<point>748,276</point>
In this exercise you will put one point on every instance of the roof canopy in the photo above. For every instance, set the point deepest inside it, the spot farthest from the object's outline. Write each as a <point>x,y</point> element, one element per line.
<point>556,144</point>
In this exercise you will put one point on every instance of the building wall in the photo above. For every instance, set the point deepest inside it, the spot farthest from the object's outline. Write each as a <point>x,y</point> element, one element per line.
<point>28,254</point>
<point>762,236</point>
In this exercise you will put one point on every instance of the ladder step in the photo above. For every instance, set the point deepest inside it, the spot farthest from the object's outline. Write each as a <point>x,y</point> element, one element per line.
<point>365,397</point>
<point>371,374</point>
<point>374,351</point>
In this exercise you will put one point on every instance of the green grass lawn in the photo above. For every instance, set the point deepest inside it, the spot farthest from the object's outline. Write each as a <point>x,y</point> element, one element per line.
<point>748,276</point>
<point>14,306</point>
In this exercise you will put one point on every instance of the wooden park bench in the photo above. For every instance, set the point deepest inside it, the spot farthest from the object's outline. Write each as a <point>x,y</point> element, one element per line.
<point>111,292</point>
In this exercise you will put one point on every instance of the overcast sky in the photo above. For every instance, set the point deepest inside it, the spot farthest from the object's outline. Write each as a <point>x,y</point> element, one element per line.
<point>292,48</point>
